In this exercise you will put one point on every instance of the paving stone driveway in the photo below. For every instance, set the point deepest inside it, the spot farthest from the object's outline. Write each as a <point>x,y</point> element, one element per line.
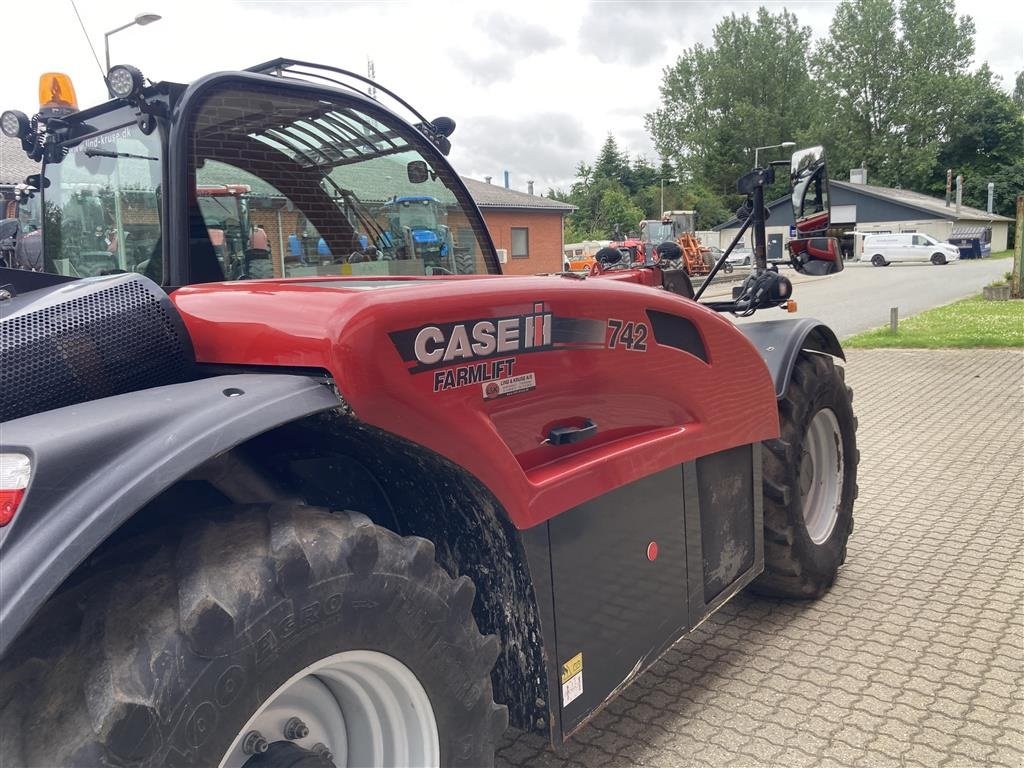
<point>916,656</point>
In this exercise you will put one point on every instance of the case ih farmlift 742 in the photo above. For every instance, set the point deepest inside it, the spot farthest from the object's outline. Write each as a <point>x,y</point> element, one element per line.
<point>368,513</point>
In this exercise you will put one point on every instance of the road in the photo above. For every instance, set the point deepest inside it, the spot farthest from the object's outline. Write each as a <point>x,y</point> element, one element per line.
<point>859,297</point>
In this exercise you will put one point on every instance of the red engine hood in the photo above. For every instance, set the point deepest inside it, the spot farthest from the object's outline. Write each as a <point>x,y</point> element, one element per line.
<point>426,359</point>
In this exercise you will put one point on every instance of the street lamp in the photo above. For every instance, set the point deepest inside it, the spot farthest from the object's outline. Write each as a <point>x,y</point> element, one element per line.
<point>662,213</point>
<point>783,145</point>
<point>142,20</point>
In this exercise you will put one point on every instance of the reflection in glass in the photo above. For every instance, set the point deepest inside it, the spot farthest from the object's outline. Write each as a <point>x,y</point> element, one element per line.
<point>331,187</point>
<point>101,206</point>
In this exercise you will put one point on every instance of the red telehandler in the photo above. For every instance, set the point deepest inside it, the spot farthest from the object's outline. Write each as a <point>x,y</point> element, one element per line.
<point>336,519</point>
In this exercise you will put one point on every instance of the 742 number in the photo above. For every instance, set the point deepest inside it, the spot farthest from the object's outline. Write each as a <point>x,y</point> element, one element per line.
<point>632,336</point>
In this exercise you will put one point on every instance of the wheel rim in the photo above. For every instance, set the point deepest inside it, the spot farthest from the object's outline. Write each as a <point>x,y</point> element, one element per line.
<point>821,475</point>
<point>364,707</point>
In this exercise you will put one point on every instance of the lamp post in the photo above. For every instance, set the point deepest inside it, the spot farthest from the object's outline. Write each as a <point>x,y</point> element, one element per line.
<point>662,212</point>
<point>142,20</point>
<point>783,145</point>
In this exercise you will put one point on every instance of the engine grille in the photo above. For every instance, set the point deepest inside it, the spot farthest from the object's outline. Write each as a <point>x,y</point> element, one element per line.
<point>90,339</point>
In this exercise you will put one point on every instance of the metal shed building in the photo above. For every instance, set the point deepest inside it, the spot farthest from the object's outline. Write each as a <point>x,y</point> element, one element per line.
<point>861,208</point>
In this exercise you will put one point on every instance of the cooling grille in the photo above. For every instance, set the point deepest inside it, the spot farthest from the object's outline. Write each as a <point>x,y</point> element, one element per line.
<point>90,339</point>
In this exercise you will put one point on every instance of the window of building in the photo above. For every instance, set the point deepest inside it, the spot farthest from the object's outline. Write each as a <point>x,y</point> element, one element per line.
<point>520,242</point>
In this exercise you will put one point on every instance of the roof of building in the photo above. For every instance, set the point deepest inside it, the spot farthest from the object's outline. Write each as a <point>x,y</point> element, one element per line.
<point>933,205</point>
<point>495,196</point>
<point>904,197</point>
<point>14,163</point>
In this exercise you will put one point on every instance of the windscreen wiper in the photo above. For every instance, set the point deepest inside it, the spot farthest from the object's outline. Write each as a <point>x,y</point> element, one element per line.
<point>91,152</point>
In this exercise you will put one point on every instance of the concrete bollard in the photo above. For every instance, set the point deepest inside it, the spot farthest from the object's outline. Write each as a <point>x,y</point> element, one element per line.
<point>894,319</point>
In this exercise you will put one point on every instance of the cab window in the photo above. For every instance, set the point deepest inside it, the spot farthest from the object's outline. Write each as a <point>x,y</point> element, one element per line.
<point>288,185</point>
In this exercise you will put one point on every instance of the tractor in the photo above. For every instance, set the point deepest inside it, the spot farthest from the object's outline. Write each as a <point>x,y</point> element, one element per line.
<point>417,229</point>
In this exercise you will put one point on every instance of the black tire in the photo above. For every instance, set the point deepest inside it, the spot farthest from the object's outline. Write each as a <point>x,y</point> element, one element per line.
<point>178,648</point>
<point>938,259</point>
<point>465,263</point>
<point>879,261</point>
<point>796,566</point>
<point>727,268</point>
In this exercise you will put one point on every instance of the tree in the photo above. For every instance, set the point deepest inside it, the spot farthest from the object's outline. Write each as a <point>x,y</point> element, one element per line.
<point>859,68</point>
<point>750,88</point>
<point>1018,91</point>
<point>617,214</point>
<point>611,163</point>
<point>985,144</point>
<point>888,99</point>
<point>936,51</point>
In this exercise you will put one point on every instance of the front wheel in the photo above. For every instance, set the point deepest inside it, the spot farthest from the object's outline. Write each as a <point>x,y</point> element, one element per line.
<point>810,482</point>
<point>879,261</point>
<point>938,259</point>
<point>271,636</point>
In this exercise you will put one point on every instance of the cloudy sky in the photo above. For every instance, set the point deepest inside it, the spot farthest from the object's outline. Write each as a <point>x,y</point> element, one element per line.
<point>534,87</point>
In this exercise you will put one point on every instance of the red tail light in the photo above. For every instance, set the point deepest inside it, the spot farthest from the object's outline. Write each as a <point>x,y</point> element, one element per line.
<point>15,471</point>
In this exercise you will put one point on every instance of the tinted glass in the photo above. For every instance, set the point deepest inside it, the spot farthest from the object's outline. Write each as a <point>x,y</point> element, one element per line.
<point>318,186</point>
<point>101,211</point>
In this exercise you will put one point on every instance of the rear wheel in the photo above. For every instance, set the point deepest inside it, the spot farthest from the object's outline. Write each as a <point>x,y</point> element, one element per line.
<point>810,482</point>
<point>879,261</point>
<point>938,259</point>
<point>271,636</point>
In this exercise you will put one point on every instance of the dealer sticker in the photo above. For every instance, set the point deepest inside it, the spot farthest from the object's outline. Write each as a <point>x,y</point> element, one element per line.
<point>572,679</point>
<point>513,385</point>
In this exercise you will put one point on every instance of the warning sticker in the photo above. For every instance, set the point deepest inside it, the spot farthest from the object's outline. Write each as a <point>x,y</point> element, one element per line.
<point>513,385</point>
<point>572,679</point>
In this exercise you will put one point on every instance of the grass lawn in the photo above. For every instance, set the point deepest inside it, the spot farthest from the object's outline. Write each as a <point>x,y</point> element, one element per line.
<point>965,324</point>
<point>1002,254</point>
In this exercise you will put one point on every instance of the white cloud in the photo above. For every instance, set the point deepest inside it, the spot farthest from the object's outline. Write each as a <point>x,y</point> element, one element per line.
<point>534,86</point>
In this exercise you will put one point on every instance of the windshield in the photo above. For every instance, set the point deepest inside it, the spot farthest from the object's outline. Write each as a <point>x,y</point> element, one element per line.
<point>331,187</point>
<point>101,206</point>
<point>656,232</point>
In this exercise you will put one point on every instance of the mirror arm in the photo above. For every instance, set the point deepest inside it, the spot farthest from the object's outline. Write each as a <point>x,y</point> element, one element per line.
<point>721,260</point>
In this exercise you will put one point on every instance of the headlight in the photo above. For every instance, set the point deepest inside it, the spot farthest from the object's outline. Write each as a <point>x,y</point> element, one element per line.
<point>14,124</point>
<point>124,81</point>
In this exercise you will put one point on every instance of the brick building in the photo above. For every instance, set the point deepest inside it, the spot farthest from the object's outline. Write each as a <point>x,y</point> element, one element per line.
<point>528,227</point>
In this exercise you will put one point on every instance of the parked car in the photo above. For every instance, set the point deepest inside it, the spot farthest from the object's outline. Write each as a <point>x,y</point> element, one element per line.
<point>882,250</point>
<point>741,257</point>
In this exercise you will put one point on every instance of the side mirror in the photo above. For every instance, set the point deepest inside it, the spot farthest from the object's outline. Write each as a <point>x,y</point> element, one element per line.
<point>809,178</point>
<point>417,171</point>
<point>816,255</point>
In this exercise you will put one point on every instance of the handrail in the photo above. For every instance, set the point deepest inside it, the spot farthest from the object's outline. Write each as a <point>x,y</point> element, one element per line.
<point>287,68</point>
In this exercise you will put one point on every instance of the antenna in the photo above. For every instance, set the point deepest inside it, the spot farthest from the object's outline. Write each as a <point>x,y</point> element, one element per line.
<point>371,72</point>
<point>102,73</point>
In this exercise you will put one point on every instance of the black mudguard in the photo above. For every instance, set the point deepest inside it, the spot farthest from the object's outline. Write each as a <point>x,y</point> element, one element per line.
<point>96,463</point>
<point>780,341</point>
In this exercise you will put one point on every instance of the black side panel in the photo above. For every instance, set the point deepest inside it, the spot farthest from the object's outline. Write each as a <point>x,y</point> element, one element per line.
<point>613,605</point>
<point>537,546</point>
<point>96,463</point>
<point>725,485</point>
<point>780,341</point>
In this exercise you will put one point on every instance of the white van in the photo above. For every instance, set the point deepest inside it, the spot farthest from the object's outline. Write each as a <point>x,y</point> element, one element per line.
<point>882,250</point>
